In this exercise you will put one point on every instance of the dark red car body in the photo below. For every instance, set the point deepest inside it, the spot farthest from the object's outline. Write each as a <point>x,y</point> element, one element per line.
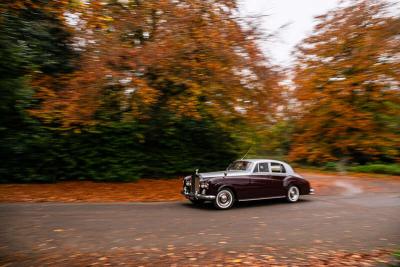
<point>251,184</point>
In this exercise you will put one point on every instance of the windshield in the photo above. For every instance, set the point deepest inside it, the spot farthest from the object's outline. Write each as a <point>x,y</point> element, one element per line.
<point>239,166</point>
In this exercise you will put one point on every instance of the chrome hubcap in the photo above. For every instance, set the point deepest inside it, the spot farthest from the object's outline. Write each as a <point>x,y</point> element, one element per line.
<point>224,199</point>
<point>293,193</point>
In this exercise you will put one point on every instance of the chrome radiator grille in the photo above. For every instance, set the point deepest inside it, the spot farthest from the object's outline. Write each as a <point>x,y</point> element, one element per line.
<point>195,183</point>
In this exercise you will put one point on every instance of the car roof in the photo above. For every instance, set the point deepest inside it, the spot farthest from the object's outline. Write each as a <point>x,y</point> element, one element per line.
<point>262,160</point>
<point>288,168</point>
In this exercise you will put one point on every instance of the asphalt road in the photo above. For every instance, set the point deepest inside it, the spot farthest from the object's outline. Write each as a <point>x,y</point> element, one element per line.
<point>358,216</point>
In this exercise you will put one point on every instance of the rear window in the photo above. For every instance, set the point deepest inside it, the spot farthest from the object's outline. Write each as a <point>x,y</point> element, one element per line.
<point>277,168</point>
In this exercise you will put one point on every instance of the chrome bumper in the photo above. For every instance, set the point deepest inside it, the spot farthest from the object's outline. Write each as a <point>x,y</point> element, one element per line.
<point>312,191</point>
<point>197,196</point>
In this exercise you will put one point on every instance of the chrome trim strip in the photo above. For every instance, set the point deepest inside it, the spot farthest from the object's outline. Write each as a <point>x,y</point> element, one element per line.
<point>261,198</point>
<point>206,197</point>
<point>197,196</point>
<point>312,191</point>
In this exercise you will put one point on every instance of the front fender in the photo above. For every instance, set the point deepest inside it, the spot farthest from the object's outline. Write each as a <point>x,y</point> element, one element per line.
<point>220,183</point>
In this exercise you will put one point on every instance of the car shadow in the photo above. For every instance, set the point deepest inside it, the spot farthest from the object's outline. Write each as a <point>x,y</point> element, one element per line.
<point>245,204</point>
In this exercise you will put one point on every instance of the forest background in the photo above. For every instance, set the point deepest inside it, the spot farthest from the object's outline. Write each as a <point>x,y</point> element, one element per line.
<point>120,90</point>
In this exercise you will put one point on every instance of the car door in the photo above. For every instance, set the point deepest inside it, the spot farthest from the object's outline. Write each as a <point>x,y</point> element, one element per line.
<point>277,175</point>
<point>241,184</point>
<point>260,181</point>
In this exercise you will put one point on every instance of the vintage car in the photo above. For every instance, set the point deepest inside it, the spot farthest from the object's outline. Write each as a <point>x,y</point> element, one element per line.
<point>245,180</point>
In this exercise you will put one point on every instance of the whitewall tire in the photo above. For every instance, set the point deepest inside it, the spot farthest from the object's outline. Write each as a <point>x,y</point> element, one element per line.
<point>224,199</point>
<point>293,194</point>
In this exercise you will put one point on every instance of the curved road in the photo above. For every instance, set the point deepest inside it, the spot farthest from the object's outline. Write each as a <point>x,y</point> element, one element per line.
<point>352,215</point>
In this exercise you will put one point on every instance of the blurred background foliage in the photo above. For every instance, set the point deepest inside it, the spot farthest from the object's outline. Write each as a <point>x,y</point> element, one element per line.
<point>120,90</point>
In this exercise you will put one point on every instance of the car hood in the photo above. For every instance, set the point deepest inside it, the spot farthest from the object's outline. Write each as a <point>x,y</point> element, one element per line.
<point>211,174</point>
<point>207,175</point>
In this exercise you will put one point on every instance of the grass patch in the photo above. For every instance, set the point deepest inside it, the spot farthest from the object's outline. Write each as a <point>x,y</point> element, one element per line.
<point>393,169</point>
<point>379,168</point>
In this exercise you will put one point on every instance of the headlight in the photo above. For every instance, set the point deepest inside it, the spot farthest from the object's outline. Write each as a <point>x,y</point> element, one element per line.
<point>204,185</point>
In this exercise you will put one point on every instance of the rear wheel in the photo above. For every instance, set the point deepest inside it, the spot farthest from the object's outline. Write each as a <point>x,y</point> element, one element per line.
<point>224,199</point>
<point>293,194</point>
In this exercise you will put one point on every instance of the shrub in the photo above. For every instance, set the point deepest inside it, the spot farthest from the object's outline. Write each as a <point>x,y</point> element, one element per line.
<point>119,152</point>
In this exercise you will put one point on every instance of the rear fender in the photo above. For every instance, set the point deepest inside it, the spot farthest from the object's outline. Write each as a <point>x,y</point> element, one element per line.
<point>289,180</point>
<point>302,184</point>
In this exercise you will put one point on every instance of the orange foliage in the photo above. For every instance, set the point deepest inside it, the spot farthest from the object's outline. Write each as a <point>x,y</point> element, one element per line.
<point>347,86</point>
<point>188,57</point>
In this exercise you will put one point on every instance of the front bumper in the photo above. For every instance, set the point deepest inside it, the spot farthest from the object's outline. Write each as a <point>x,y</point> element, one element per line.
<point>197,196</point>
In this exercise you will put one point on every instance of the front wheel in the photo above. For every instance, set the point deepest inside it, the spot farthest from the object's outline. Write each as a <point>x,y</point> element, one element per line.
<point>293,194</point>
<point>224,199</point>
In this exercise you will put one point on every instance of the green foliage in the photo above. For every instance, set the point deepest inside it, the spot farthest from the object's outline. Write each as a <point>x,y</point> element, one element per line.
<point>330,166</point>
<point>397,254</point>
<point>119,152</point>
<point>393,169</point>
<point>31,42</point>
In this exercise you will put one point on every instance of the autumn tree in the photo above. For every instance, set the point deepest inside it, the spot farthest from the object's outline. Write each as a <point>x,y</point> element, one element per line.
<point>347,86</point>
<point>118,90</point>
<point>186,77</point>
<point>143,59</point>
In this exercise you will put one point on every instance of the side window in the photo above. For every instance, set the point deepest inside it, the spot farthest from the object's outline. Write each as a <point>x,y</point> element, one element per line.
<point>277,168</point>
<point>263,167</point>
